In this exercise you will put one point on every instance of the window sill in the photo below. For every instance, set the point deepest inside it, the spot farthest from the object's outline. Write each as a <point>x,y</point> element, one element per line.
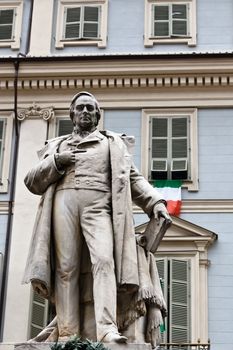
<point>14,45</point>
<point>97,42</point>
<point>190,41</point>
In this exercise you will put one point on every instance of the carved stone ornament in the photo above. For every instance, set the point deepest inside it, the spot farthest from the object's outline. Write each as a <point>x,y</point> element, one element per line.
<point>36,111</point>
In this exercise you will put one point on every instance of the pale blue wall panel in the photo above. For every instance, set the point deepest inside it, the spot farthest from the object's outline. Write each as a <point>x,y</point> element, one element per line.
<point>126,29</point>
<point>220,277</point>
<point>126,122</point>
<point>215,155</point>
<point>3,225</point>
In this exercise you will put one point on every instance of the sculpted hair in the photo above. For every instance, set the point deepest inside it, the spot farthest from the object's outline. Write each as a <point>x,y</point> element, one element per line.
<point>84,93</point>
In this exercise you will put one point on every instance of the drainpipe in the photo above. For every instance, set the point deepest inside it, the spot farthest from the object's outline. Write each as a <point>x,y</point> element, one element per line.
<point>12,183</point>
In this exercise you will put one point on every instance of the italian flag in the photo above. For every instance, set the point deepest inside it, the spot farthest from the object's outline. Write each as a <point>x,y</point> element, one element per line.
<point>170,190</point>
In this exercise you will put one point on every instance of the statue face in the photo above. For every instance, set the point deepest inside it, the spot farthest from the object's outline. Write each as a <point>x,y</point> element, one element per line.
<point>85,113</point>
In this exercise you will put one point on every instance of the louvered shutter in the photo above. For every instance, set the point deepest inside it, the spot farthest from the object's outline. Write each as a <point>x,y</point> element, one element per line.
<point>179,19</point>
<point>72,23</point>
<point>91,19</point>
<point>179,310</point>
<point>65,127</point>
<point>159,148</point>
<point>162,266</point>
<point>39,314</point>
<point>179,148</point>
<point>161,20</point>
<point>6,24</point>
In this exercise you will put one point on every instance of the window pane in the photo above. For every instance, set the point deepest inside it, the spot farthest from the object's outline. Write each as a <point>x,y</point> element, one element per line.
<point>73,15</point>
<point>65,127</point>
<point>159,127</point>
<point>179,11</point>
<point>90,30</point>
<point>161,29</point>
<point>159,148</point>
<point>72,31</point>
<point>179,148</point>
<point>91,14</point>
<point>159,165</point>
<point>6,16</point>
<point>179,127</point>
<point>1,129</point>
<point>179,335</point>
<point>179,28</point>
<point>6,32</point>
<point>179,293</point>
<point>161,13</point>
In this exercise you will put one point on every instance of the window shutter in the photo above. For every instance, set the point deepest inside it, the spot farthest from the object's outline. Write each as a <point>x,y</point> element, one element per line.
<point>159,148</point>
<point>179,20</point>
<point>161,21</point>
<point>179,301</point>
<point>65,127</point>
<point>6,24</point>
<point>179,161</point>
<point>162,266</point>
<point>91,22</point>
<point>72,22</point>
<point>39,314</point>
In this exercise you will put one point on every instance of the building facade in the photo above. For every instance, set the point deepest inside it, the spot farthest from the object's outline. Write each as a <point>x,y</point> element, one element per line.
<point>163,72</point>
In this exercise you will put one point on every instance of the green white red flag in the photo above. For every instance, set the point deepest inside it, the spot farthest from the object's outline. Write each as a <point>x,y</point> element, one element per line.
<point>170,190</point>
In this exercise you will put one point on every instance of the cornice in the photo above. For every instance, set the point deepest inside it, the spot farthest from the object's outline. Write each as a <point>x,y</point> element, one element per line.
<point>203,206</point>
<point>120,73</point>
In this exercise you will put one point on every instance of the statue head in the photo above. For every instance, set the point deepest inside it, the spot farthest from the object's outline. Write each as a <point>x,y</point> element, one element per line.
<point>81,95</point>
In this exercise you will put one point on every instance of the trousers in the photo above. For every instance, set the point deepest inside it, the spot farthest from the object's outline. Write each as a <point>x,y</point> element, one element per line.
<point>79,214</point>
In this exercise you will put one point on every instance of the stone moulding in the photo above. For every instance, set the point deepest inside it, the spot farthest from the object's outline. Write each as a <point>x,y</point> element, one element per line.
<point>121,82</point>
<point>36,111</point>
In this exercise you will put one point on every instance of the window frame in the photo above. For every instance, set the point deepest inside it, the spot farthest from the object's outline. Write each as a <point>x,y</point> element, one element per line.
<point>5,158</point>
<point>100,42</point>
<point>17,6</point>
<point>62,115</point>
<point>192,183</point>
<point>189,39</point>
<point>169,141</point>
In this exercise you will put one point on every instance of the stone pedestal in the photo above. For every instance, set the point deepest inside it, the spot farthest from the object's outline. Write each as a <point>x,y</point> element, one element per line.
<point>111,346</point>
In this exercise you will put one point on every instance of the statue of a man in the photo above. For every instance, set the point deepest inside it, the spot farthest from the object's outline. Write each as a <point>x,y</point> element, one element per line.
<point>87,181</point>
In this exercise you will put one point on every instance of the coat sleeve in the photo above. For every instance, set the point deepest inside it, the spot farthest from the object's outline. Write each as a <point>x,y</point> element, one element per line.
<point>42,175</point>
<point>143,194</point>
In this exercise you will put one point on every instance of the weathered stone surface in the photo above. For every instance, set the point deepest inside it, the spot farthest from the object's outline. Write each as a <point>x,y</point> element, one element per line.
<point>111,346</point>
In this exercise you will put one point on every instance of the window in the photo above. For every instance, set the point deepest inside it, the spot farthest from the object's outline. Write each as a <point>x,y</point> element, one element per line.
<point>175,280</point>
<point>169,148</point>
<point>169,138</point>
<point>5,149</point>
<point>7,24</point>
<point>10,23</point>
<point>170,22</point>
<point>182,261</point>
<point>84,23</point>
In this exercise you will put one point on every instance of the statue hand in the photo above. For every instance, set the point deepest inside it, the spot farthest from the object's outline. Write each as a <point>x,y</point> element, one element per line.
<point>159,211</point>
<point>40,288</point>
<point>66,158</point>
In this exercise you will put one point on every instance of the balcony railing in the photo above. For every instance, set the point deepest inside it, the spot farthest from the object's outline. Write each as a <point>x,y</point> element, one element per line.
<point>184,346</point>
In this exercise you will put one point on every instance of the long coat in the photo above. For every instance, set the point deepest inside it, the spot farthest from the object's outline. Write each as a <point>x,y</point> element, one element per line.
<point>127,185</point>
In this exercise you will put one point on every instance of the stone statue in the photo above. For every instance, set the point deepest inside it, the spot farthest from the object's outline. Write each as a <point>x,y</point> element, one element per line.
<point>87,181</point>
